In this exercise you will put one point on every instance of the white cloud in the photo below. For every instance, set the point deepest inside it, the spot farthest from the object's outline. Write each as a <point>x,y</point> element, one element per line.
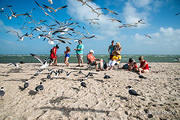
<point>131,15</point>
<point>9,28</point>
<point>166,39</point>
<point>106,27</point>
<point>142,3</point>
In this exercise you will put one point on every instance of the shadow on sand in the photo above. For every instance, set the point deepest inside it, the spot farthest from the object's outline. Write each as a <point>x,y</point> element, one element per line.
<point>66,111</point>
<point>19,80</point>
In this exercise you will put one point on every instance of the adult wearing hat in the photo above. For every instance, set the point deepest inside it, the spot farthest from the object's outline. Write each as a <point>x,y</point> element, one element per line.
<point>94,61</point>
<point>53,55</point>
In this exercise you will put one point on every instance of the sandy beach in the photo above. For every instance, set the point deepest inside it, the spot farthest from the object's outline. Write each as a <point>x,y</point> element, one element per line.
<point>63,98</point>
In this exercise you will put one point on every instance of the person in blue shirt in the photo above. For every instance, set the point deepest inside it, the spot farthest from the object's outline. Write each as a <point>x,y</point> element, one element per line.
<point>79,53</point>
<point>111,49</point>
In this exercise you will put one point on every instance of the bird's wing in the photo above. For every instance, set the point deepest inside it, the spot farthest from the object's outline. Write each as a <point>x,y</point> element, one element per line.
<point>60,8</point>
<point>45,6</point>
<point>59,40</point>
<point>20,14</point>
<point>37,57</point>
<point>12,11</point>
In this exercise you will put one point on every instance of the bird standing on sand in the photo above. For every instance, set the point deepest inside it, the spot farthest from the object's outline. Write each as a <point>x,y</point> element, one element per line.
<point>106,76</point>
<point>132,92</point>
<point>2,92</point>
<point>83,84</point>
<point>26,84</point>
<point>39,87</point>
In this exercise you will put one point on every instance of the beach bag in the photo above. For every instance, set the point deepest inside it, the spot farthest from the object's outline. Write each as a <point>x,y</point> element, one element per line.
<point>104,65</point>
<point>125,66</point>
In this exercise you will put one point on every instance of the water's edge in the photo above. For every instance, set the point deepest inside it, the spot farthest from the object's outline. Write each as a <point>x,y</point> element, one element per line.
<point>73,59</point>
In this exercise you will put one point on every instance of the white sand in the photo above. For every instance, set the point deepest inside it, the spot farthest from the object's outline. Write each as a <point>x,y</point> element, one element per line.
<point>103,99</point>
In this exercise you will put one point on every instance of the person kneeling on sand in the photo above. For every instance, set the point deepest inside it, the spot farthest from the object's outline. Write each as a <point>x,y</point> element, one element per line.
<point>93,61</point>
<point>144,67</point>
<point>131,64</point>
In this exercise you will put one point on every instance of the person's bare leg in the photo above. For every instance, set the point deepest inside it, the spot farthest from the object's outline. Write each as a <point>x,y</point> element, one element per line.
<point>79,61</point>
<point>101,64</point>
<point>82,60</point>
<point>66,61</point>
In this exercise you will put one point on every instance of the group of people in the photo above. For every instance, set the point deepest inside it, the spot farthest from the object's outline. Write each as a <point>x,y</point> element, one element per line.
<point>79,54</point>
<point>132,65</point>
<point>114,58</point>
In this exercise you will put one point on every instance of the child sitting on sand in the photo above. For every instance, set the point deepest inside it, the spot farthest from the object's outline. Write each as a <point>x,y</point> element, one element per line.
<point>115,60</point>
<point>135,67</point>
<point>131,64</point>
<point>67,56</point>
<point>144,67</point>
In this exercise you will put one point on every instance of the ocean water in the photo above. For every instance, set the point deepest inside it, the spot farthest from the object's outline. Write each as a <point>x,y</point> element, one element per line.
<point>73,59</point>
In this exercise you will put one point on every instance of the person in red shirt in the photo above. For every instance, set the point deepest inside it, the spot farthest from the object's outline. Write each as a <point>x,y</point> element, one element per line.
<point>135,67</point>
<point>53,55</point>
<point>144,67</point>
<point>93,61</point>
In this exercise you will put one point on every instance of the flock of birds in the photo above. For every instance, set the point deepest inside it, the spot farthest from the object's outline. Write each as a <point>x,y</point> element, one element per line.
<point>52,73</point>
<point>60,31</point>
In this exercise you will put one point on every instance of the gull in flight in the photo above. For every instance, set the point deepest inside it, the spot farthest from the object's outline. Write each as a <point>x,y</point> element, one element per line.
<point>50,1</point>
<point>55,10</point>
<point>16,64</point>
<point>43,62</point>
<point>146,35</point>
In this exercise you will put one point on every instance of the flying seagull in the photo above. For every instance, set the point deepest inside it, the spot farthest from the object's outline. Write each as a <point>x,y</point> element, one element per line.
<point>16,15</point>
<point>21,38</point>
<point>146,35</point>
<point>43,62</point>
<point>50,1</point>
<point>109,11</point>
<point>2,92</point>
<point>115,20</point>
<point>55,10</point>
<point>16,64</point>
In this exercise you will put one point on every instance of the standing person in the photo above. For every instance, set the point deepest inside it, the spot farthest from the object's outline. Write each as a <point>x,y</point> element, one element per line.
<point>111,49</point>
<point>144,67</point>
<point>67,56</point>
<point>53,55</point>
<point>79,53</point>
<point>117,49</point>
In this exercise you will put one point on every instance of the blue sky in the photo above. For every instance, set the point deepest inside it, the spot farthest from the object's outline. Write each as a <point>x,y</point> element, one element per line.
<point>161,24</point>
